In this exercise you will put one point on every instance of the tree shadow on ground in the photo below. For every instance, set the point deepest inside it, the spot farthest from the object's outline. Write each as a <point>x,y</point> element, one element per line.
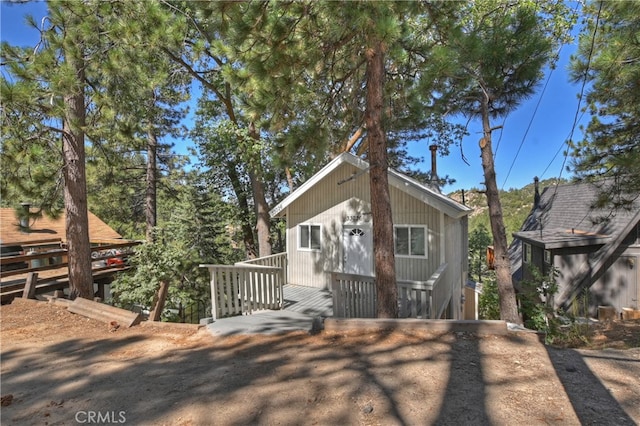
<point>592,402</point>
<point>371,378</point>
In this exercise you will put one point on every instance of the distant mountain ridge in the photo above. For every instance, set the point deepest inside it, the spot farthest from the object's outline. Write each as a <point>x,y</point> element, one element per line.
<point>516,205</point>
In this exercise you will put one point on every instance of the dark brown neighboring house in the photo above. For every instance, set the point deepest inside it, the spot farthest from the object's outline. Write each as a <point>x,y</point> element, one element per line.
<point>596,251</point>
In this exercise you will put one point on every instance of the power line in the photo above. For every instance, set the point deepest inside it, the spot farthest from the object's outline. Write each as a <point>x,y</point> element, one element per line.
<point>584,83</point>
<point>530,123</point>
<point>495,154</point>
<point>533,116</point>
<point>559,149</point>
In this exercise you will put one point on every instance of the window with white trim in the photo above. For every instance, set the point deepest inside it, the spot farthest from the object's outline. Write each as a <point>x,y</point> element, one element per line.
<point>547,257</point>
<point>309,237</point>
<point>526,255</point>
<point>410,241</point>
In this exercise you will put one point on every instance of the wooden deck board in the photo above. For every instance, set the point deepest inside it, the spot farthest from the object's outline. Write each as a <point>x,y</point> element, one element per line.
<point>308,300</point>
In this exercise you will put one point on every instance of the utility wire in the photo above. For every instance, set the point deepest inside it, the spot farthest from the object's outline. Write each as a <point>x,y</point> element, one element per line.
<point>584,83</point>
<point>495,154</point>
<point>530,123</point>
<point>564,141</point>
<point>533,116</point>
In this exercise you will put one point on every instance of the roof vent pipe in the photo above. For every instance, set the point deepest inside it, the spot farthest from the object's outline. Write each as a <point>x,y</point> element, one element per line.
<point>434,166</point>
<point>536,195</point>
<point>24,216</point>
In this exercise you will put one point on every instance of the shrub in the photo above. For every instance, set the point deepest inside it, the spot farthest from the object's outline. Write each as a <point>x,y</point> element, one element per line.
<point>489,301</point>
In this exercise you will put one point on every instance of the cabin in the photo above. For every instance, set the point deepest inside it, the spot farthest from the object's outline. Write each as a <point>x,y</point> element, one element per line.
<point>44,233</point>
<point>329,232</point>
<point>34,253</point>
<point>595,251</point>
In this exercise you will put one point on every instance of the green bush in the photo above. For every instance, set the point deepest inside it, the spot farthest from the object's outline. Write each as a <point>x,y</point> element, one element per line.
<point>489,301</point>
<point>536,302</point>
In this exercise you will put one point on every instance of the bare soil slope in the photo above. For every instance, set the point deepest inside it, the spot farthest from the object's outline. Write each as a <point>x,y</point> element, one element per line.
<point>61,368</point>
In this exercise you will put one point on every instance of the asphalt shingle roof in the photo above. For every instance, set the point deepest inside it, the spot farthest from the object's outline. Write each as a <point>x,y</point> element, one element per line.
<point>566,216</point>
<point>47,228</point>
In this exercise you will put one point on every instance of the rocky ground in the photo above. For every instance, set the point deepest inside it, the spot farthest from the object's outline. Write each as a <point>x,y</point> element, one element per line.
<point>62,368</point>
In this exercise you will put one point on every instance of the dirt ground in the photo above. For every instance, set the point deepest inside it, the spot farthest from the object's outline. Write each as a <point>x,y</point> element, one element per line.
<point>61,368</point>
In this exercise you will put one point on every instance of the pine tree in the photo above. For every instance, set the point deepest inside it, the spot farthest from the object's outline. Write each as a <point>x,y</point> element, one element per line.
<point>608,58</point>
<point>487,64</point>
<point>45,105</point>
<point>344,73</point>
<point>206,57</point>
<point>77,86</point>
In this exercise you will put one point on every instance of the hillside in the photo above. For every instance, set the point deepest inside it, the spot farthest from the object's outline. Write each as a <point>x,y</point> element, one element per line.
<point>516,205</point>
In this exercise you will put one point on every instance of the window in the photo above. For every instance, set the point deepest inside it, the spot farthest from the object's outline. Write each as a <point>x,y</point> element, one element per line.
<point>309,237</point>
<point>527,253</point>
<point>356,232</point>
<point>411,241</point>
<point>547,257</point>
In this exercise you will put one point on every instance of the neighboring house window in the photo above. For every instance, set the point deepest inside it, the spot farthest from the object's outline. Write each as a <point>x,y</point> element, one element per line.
<point>527,253</point>
<point>309,237</point>
<point>411,241</point>
<point>547,257</point>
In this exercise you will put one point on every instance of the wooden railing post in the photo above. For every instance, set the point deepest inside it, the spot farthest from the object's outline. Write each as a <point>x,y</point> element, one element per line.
<point>159,299</point>
<point>30,286</point>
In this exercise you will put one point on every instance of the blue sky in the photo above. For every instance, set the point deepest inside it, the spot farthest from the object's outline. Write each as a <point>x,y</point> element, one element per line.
<point>548,129</point>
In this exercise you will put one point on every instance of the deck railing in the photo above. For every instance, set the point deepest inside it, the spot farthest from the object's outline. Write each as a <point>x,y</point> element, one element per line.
<point>278,260</point>
<point>442,291</point>
<point>414,299</point>
<point>354,296</point>
<point>244,288</point>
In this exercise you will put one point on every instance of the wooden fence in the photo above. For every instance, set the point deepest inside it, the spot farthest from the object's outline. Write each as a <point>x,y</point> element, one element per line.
<point>244,288</point>
<point>354,296</point>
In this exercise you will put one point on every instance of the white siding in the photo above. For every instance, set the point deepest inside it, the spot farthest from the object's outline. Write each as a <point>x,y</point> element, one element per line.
<point>331,205</point>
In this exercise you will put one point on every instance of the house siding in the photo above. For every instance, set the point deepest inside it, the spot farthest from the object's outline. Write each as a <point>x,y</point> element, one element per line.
<point>333,205</point>
<point>456,252</point>
<point>618,284</point>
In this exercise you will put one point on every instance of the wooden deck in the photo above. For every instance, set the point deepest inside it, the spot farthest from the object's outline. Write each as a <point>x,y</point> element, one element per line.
<point>308,300</point>
<point>302,306</point>
<point>55,276</point>
<point>50,280</point>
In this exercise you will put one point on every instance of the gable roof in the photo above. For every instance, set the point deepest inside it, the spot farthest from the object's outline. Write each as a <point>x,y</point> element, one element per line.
<point>46,228</point>
<point>396,179</point>
<point>565,217</point>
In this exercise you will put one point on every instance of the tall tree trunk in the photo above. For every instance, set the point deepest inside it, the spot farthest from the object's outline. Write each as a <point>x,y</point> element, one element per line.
<point>75,190</point>
<point>243,204</point>
<point>263,219</point>
<point>150,196</point>
<point>383,246</point>
<point>506,291</point>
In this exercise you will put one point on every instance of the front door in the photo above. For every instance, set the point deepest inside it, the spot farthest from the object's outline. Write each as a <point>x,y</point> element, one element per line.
<point>358,250</point>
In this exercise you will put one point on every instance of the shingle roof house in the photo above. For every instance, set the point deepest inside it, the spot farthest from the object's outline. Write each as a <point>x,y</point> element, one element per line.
<point>47,228</point>
<point>595,250</point>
